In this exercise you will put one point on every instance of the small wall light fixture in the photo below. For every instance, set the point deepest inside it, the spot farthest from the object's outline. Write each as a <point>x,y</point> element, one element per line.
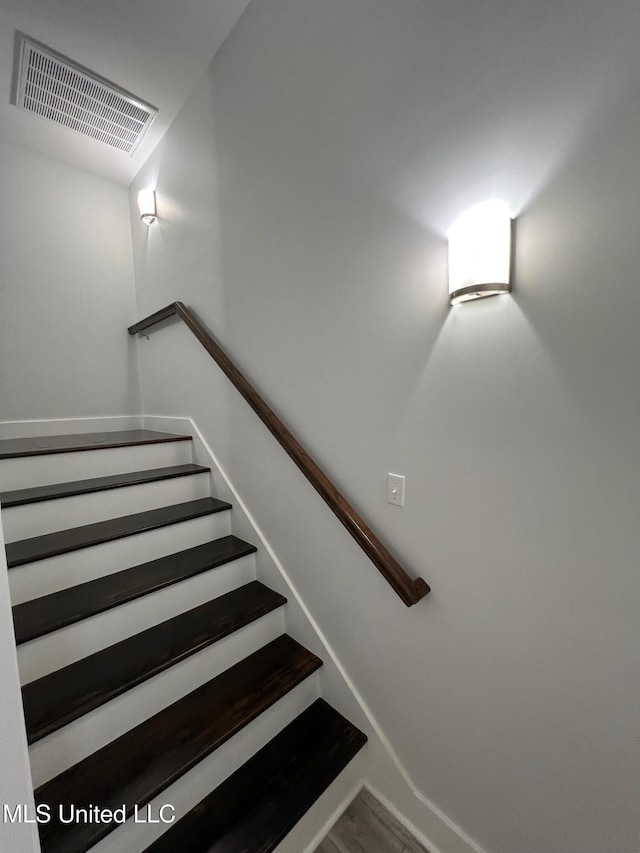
<point>147,205</point>
<point>480,252</point>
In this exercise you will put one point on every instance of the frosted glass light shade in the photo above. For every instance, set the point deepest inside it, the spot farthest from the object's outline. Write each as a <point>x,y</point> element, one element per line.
<point>147,206</point>
<point>480,252</point>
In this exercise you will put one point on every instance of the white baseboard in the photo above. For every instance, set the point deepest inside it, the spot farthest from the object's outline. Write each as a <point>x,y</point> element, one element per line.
<point>384,775</point>
<point>67,426</point>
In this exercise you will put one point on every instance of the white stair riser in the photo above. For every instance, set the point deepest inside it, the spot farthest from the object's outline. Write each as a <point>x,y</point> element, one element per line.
<point>198,782</point>
<point>94,730</point>
<point>36,519</point>
<point>33,580</point>
<point>48,468</point>
<point>53,651</point>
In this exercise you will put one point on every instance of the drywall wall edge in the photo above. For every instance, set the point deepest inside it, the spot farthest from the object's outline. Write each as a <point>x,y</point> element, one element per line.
<point>16,788</point>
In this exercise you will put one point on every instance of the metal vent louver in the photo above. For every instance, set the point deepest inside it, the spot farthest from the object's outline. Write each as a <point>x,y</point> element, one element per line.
<point>58,89</point>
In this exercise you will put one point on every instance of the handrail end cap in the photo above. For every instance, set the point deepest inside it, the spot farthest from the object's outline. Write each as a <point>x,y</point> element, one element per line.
<point>421,588</point>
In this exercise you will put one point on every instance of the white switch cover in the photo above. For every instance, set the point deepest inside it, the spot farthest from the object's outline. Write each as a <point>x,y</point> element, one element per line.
<point>395,489</point>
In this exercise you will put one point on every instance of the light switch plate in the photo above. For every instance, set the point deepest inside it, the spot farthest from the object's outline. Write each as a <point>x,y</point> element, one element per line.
<point>395,489</point>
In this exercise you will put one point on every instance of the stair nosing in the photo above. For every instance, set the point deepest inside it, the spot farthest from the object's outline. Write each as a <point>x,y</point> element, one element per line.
<point>12,498</point>
<point>105,444</point>
<point>213,505</point>
<point>87,590</point>
<point>150,663</point>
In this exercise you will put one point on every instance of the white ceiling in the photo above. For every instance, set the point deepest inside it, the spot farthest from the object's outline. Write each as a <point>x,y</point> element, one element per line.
<point>156,49</point>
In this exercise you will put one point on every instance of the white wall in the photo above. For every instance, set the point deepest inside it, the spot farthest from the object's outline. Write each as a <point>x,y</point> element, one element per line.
<point>303,194</point>
<point>66,292</point>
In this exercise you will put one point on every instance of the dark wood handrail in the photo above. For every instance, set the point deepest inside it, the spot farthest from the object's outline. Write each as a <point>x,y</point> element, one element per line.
<point>409,590</point>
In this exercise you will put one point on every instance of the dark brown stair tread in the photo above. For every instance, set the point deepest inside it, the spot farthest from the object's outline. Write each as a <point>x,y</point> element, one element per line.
<point>254,809</point>
<point>19,497</point>
<point>50,612</point>
<point>63,541</point>
<point>12,447</point>
<point>141,763</point>
<point>66,694</point>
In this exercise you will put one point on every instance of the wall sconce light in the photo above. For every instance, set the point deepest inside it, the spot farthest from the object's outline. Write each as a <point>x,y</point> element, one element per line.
<point>480,252</point>
<point>147,205</point>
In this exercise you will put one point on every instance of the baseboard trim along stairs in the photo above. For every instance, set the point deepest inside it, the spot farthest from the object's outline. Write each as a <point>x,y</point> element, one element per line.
<point>153,661</point>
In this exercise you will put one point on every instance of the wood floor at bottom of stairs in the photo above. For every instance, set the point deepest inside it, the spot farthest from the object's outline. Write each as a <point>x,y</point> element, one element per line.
<point>366,826</point>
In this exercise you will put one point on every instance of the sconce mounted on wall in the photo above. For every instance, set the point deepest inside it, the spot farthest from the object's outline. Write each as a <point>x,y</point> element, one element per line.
<point>147,205</point>
<point>480,252</point>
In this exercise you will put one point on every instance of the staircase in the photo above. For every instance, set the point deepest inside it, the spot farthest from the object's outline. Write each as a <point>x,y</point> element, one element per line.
<point>166,707</point>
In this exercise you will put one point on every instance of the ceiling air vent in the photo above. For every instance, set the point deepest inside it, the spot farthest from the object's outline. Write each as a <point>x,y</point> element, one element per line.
<point>50,85</point>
